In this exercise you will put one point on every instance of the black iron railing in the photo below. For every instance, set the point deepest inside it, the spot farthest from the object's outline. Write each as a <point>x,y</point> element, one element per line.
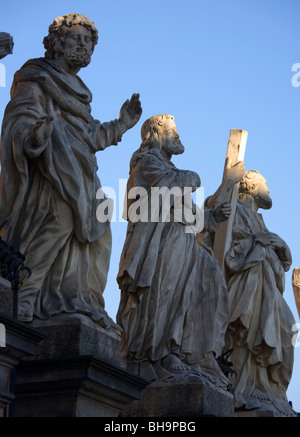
<point>11,266</point>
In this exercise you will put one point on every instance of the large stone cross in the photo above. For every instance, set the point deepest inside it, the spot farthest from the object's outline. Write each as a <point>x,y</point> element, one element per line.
<point>235,153</point>
<point>296,287</point>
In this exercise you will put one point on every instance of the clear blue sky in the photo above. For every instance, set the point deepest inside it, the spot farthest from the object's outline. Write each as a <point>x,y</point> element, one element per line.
<point>214,65</point>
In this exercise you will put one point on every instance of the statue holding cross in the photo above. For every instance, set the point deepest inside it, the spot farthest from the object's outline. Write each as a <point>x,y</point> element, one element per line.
<point>218,243</point>
<point>234,170</point>
<point>254,261</point>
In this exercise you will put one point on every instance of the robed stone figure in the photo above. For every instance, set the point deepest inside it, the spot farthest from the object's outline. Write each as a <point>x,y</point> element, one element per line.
<point>174,301</point>
<point>49,176</point>
<point>260,330</point>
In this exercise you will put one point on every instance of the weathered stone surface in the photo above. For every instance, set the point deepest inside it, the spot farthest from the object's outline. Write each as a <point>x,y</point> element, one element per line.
<point>259,413</point>
<point>7,366</point>
<point>71,359</point>
<point>70,367</point>
<point>18,342</point>
<point>76,387</point>
<point>185,399</point>
<point>6,298</point>
<point>77,336</point>
<point>6,44</point>
<point>260,331</point>
<point>174,300</point>
<point>54,213</point>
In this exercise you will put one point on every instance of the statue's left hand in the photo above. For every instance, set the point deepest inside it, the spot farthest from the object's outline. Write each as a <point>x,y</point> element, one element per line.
<point>222,212</point>
<point>131,111</point>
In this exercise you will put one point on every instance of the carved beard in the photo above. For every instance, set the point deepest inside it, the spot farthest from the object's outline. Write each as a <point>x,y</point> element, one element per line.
<point>264,201</point>
<point>74,57</point>
<point>175,148</point>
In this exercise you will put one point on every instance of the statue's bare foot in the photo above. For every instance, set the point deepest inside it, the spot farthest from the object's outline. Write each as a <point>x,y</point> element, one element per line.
<point>211,369</point>
<point>173,364</point>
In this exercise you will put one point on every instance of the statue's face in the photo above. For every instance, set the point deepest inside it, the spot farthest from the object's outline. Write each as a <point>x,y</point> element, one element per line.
<point>78,38</point>
<point>170,138</point>
<point>262,194</point>
<point>78,46</point>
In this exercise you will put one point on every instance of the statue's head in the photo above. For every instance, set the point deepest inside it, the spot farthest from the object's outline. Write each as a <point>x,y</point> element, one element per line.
<point>160,132</point>
<point>255,185</point>
<point>73,36</point>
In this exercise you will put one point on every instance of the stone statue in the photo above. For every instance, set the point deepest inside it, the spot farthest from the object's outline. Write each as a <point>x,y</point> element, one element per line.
<point>49,180</point>
<point>6,44</point>
<point>174,301</point>
<point>260,325</point>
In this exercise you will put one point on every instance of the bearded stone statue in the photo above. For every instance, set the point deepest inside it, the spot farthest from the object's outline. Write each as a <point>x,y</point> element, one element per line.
<point>174,301</point>
<point>49,177</point>
<point>260,322</point>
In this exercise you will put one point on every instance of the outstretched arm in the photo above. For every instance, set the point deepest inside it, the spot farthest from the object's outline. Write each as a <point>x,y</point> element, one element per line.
<point>110,133</point>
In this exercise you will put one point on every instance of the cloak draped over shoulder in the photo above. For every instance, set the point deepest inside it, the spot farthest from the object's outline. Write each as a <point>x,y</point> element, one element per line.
<point>260,325</point>
<point>48,191</point>
<point>173,295</point>
<point>67,159</point>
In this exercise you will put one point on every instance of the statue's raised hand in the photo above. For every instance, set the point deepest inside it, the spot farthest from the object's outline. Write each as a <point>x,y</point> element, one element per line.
<point>234,173</point>
<point>131,111</point>
<point>42,129</point>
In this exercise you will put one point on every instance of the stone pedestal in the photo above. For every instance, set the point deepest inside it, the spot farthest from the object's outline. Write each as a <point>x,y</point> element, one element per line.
<point>78,387</point>
<point>18,342</point>
<point>74,335</point>
<point>268,410</point>
<point>7,366</point>
<point>183,399</point>
<point>75,373</point>
<point>257,413</point>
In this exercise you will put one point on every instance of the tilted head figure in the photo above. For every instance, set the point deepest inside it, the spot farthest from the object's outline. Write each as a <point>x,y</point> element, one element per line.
<point>255,185</point>
<point>160,132</point>
<point>72,36</point>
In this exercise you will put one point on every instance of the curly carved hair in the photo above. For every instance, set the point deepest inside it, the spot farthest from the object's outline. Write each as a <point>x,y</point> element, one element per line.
<point>61,26</point>
<point>249,182</point>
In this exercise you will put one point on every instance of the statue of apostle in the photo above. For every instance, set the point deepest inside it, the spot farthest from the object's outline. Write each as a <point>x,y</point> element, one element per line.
<point>49,180</point>
<point>174,300</point>
<point>260,329</point>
